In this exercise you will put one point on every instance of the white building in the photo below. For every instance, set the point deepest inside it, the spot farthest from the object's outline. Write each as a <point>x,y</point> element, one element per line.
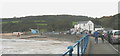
<point>85,25</point>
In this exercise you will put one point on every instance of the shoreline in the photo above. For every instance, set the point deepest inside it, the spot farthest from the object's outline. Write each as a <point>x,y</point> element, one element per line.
<point>58,37</point>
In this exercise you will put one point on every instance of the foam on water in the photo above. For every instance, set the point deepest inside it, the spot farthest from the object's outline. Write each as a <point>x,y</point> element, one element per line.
<point>23,46</point>
<point>19,40</point>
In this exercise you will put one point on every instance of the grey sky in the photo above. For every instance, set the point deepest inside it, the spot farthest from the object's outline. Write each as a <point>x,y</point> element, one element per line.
<point>91,8</point>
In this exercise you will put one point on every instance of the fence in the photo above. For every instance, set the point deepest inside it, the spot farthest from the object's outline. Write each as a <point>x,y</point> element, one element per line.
<point>81,46</point>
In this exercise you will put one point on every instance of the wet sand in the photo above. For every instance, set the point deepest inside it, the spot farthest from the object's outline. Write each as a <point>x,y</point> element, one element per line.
<point>58,37</point>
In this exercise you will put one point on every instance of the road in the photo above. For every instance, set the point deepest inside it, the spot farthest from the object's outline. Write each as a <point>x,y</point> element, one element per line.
<point>104,48</point>
<point>116,47</point>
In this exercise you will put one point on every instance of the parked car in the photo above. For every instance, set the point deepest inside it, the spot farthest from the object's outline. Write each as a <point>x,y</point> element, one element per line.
<point>114,36</point>
<point>16,33</point>
<point>68,32</point>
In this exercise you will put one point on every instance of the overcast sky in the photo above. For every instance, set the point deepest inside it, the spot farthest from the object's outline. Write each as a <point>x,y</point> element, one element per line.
<point>91,8</point>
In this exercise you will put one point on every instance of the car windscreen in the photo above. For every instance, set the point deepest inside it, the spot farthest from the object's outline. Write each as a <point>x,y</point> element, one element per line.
<point>117,33</point>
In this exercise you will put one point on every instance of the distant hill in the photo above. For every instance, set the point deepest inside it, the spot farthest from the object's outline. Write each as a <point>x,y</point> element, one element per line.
<point>55,22</point>
<point>43,23</point>
<point>109,21</point>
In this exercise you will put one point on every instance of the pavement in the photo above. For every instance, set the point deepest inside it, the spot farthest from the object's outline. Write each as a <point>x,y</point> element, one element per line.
<point>101,48</point>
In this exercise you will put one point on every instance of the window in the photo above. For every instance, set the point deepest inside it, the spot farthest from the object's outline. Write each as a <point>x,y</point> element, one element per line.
<point>117,33</point>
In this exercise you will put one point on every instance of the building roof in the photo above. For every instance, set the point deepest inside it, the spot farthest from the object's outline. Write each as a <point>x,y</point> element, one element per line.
<point>108,29</point>
<point>82,22</point>
<point>98,26</point>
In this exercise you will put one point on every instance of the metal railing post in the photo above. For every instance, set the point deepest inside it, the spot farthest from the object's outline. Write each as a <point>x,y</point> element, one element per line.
<point>78,47</point>
<point>71,50</point>
<point>81,46</point>
<point>85,44</point>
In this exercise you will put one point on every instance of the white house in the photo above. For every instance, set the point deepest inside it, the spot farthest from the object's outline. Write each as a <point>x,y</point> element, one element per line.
<point>85,25</point>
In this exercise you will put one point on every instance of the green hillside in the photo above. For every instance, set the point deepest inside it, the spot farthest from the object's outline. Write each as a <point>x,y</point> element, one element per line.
<point>55,22</point>
<point>43,23</point>
<point>109,21</point>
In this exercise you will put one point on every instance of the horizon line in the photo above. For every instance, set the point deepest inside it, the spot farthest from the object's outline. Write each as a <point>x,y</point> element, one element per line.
<point>57,14</point>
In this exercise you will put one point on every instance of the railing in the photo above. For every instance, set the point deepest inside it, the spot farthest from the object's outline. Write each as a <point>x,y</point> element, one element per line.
<point>81,46</point>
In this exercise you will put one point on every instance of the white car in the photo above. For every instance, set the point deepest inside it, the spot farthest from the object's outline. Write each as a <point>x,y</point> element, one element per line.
<point>16,33</point>
<point>114,36</point>
<point>73,33</point>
